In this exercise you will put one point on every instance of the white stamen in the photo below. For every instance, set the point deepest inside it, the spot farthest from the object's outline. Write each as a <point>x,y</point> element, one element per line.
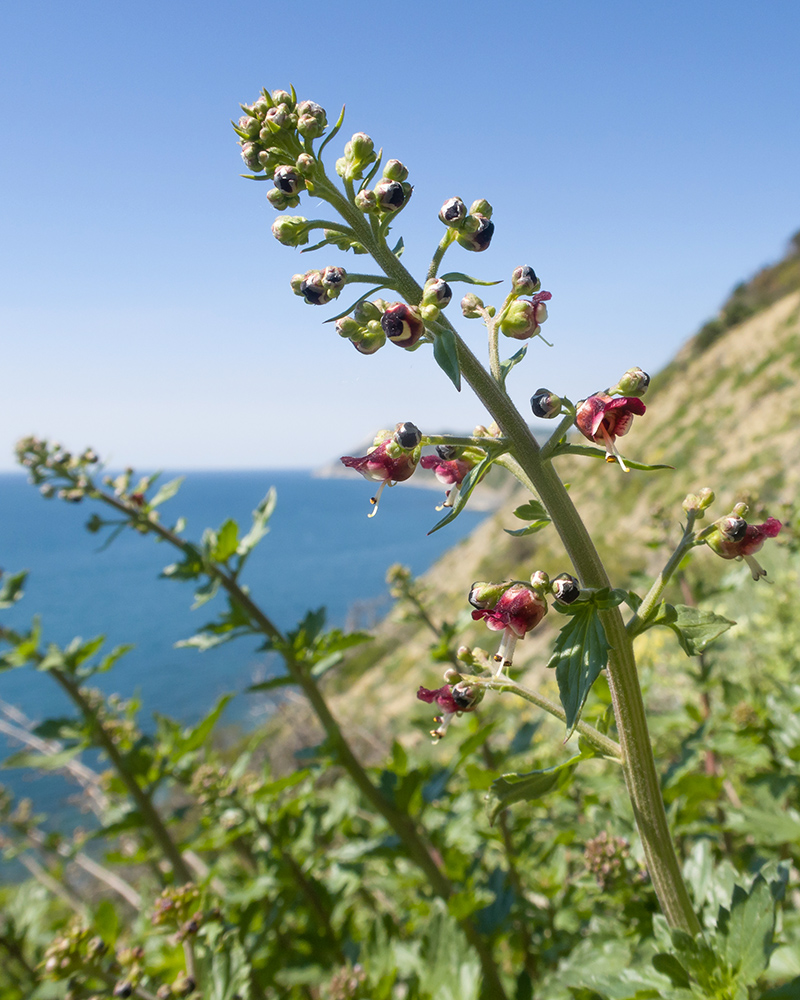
<point>374,500</point>
<point>611,449</point>
<point>505,653</point>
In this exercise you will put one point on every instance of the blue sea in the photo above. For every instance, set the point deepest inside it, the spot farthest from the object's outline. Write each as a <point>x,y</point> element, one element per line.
<point>321,550</point>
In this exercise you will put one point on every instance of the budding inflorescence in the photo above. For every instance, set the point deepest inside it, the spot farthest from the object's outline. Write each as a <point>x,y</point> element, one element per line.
<point>474,228</point>
<point>393,458</point>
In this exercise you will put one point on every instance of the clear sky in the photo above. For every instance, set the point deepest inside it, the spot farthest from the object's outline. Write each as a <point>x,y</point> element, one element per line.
<point>642,156</point>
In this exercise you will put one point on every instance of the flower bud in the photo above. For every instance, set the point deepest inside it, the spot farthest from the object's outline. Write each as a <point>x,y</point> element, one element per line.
<point>310,287</point>
<point>480,237</point>
<point>446,452</point>
<point>366,311</point>
<point>367,202</point>
<point>436,293</point>
<point>358,154</point>
<point>304,164</point>
<point>486,595</point>
<point>250,126</point>
<point>545,404</point>
<point>280,201</point>
<point>691,503</point>
<point>291,230</point>
<point>311,119</point>
<point>471,306</point>
<point>288,180</point>
<point>732,528</point>
<point>524,317</point>
<point>348,327</point>
<point>453,212</point>
<point>250,153</point>
<point>282,97</point>
<point>540,581</point>
<point>565,588</point>
<point>706,497</point>
<point>391,195</point>
<point>395,171</point>
<point>407,435</point>
<point>481,207</point>
<point>452,676</point>
<point>334,279</point>
<point>402,324</point>
<point>371,339</point>
<point>524,280</point>
<point>633,383</point>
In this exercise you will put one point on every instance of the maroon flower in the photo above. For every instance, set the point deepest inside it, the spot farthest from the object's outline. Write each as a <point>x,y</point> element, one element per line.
<point>603,418</point>
<point>450,471</point>
<point>518,610</point>
<point>392,458</point>
<point>452,700</point>
<point>734,538</point>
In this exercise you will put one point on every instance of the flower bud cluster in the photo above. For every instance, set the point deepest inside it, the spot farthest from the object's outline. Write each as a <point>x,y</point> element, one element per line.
<point>359,153</point>
<point>317,288</point>
<point>175,906</point>
<point>606,859</point>
<point>71,952</point>
<point>474,228</point>
<point>698,502</point>
<point>436,295</point>
<point>363,329</point>
<point>49,464</point>
<point>273,134</point>
<point>393,458</point>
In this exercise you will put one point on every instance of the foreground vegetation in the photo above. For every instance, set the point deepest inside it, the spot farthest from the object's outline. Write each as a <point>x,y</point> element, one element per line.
<point>503,864</point>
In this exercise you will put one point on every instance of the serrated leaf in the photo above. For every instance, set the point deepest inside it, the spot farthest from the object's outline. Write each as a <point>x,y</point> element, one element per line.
<point>166,492</point>
<point>745,933</point>
<point>460,276</point>
<point>468,484</point>
<point>580,654</point>
<point>533,510</point>
<point>696,629</point>
<point>205,593</point>
<point>197,735</point>
<point>445,352</point>
<point>11,588</point>
<point>529,787</point>
<point>509,363</point>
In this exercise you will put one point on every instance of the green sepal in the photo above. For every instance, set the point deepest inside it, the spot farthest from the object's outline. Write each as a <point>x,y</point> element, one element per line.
<point>529,787</point>
<point>509,363</point>
<point>399,247</point>
<point>256,177</point>
<point>460,276</point>
<point>590,452</point>
<point>445,352</point>
<point>375,167</point>
<point>581,651</point>
<point>468,484</point>
<point>332,133</point>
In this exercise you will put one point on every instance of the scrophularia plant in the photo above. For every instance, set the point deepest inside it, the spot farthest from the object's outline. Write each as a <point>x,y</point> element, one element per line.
<point>282,141</point>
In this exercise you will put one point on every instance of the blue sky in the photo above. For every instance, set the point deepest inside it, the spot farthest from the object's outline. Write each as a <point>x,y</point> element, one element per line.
<point>643,157</point>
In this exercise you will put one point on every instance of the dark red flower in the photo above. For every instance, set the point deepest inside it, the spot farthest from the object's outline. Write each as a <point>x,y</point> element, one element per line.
<point>734,538</point>
<point>518,610</point>
<point>452,700</point>
<point>603,418</point>
<point>392,459</point>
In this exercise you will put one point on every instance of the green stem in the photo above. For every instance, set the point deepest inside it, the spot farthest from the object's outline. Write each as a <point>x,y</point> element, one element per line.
<point>638,621</point>
<point>556,437</point>
<point>602,743</point>
<point>140,797</point>
<point>638,764</point>
<point>441,250</point>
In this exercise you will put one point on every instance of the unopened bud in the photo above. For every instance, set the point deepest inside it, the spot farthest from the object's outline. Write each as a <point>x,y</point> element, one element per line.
<point>437,293</point>
<point>480,236</point>
<point>732,527</point>
<point>633,383</point>
<point>311,119</point>
<point>287,180</point>
<point>291,230</point>
<point>395,171</point>
<point>524,280</point>
<point>706,497</point>
<point>447,452</point>
<point>540,581</point>
<point>545,404</point>
<point>371,339</point>
<point>453,212</point>
<point>408,435</point>
<point>565,588</point>
<point>486,595</point>
<point>391,195</point>
<point>402,324</point>
<point>481,207</point>
<point>471,306</point>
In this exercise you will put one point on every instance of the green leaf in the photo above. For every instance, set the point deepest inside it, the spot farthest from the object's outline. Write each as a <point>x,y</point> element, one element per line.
<point>507,365</point>
<point>226,543</point>
<point>111,658</point>
<point>106,921</point>
<point>529,787</point>
<point>11,588</point>
<point>468,484</point>
<point>746,932</point>
<point>205,593</point>
<point>398,248</point>
<point>197,735</point>
<point>580,653</point>
<point>695,629</point>
<point>669,966</point>
<point>271,684</point>
<point>789,991</point>
<point>531,511</point>
<point>530,530</point>
<point>166,492</point>
<point>584,449</point>
<point>40,761</point>
<point>445,352</point>
<point>351,307</point>
<point>460,276</point>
